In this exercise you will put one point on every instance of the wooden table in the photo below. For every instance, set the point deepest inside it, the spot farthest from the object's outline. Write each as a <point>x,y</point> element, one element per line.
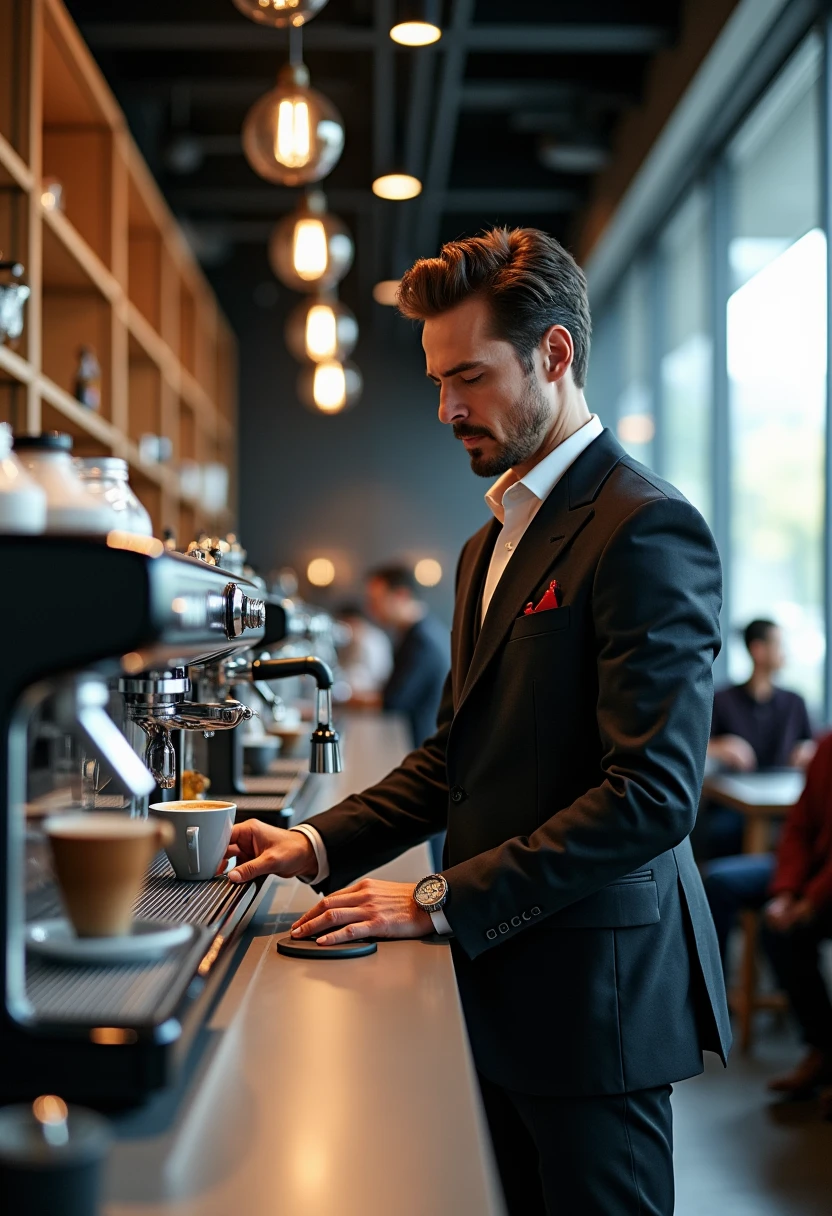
<point>763,799</point>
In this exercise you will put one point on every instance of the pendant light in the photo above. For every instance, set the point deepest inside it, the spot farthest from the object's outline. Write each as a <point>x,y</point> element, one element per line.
<point>330,387</point>
<point>280,12</point>
<point>319,329</point>
<point>417,24</point>
<point>310,249</point>
<point>293,135</point>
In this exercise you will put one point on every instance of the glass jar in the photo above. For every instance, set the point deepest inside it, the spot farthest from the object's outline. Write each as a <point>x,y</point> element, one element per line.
<point>70,507</point>
<point>22,500</point>
<point>106,477</point>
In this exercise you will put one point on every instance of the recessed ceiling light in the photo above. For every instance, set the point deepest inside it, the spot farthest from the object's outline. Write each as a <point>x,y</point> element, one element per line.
<point>397,186</point>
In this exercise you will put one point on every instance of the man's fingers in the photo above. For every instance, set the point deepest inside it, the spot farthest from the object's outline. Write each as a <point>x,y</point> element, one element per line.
<point>329,919</point>
<point>252,869</point>
<point>349,898</point>
<point>350,933</point>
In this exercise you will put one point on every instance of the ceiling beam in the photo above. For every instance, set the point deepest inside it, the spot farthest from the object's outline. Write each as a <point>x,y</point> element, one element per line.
<point>551,37</point>
<point>446,118</point>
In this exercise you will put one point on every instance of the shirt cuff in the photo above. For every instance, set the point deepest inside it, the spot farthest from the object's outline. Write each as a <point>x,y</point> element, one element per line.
<point>316,840</point>
<point>440,923</point>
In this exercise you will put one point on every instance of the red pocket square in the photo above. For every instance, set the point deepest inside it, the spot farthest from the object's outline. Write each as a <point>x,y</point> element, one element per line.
<point>551,599</point>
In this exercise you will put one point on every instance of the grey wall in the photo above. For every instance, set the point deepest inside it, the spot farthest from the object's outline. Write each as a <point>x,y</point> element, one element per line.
<point>384,480</point>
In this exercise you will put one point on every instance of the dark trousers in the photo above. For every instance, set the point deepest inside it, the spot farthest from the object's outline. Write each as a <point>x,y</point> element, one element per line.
<point>603,1156</point>
<point>734,883</point>
<point>794,957</point>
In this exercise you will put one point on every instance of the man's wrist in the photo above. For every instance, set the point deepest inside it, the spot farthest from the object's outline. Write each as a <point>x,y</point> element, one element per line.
<point>308,861</point>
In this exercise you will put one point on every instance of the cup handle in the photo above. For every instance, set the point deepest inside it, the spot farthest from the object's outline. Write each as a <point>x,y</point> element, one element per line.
<point>192,836</point>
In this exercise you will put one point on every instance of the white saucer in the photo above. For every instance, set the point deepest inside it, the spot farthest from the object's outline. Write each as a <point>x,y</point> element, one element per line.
<point>148,940</point>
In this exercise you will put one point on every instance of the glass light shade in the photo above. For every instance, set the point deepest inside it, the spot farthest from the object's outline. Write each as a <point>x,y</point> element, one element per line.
<point>293,135</point>
<point>414,33</point>
<point>310,250</point>
<point>280,12</point>
<point>330,387</point>
<point>320,329</point>
<point>397,186</point>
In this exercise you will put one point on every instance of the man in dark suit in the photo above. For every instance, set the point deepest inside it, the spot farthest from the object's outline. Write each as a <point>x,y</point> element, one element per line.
<point>421,656</point>
<point>567,760</point>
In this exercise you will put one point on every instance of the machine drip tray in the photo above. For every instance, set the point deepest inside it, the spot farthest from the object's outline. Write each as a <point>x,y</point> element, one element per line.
<point>147,993</point>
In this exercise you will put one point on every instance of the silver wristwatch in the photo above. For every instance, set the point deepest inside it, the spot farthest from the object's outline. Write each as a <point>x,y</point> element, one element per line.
<point>430,893</point>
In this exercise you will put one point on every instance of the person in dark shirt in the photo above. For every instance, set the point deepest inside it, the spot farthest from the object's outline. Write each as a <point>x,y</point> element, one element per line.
<point>421,657</point>
<point>755,725</point>
<point>422,648</point>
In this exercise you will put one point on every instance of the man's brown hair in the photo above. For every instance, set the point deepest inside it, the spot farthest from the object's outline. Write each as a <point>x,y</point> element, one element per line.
<point>528,279</point>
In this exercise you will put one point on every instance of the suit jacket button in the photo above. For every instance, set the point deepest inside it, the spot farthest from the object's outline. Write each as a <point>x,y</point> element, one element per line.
<point>491,934</point>
<point>515,920</point>
<point>458,794</point>
<point>503,927</point>
<point>535,911</point>
<point>526,916</point>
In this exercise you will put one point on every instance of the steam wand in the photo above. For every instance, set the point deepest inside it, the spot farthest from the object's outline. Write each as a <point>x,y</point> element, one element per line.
<point>326,745</point>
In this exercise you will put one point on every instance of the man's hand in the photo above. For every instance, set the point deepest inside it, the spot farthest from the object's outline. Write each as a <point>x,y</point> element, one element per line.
<point>266,850</point>
<point>785,911</point>
<point>803,753</point>
<point>369,908</point>
<point>734,751</point>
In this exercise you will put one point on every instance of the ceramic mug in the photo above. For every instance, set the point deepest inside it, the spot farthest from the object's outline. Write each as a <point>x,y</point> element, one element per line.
<point>201,832</point>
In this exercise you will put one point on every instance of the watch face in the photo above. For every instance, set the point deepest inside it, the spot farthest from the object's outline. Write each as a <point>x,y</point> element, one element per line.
<point>431,890</point>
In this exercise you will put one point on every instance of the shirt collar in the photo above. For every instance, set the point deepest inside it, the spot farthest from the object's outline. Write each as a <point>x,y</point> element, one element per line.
<point>542,479</point>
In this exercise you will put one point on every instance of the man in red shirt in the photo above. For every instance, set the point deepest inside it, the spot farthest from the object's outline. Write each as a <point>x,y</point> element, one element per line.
<point>798,918</point>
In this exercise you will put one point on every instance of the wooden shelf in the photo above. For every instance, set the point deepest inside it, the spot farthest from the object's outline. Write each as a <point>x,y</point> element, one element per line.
<point>110,270</point>
<point>13,367</point>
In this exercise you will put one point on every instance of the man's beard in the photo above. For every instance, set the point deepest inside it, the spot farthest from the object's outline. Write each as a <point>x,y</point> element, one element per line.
<point>525,427</point>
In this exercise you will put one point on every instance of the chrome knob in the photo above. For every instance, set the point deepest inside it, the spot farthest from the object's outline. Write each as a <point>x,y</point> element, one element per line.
<point>242,613</point>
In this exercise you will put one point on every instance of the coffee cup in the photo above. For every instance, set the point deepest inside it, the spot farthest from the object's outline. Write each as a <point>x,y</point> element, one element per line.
<point>100,862</point>
<point>201,832</point>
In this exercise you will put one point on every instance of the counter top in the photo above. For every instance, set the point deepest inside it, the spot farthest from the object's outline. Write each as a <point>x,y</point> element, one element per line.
<point>319,1087</point>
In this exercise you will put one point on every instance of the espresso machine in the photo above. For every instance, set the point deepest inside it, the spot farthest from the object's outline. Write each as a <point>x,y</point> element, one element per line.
<point>103,632</point>
<point>284,787</point>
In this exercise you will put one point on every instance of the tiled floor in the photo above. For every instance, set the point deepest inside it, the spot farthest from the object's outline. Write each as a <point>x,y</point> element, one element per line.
<point>738,1152</point>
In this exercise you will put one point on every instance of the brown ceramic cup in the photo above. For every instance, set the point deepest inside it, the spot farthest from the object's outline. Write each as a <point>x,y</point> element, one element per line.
<point>100,862</point>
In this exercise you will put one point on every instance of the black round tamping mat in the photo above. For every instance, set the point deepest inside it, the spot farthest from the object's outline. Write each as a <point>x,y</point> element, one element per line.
<point>307,947</point>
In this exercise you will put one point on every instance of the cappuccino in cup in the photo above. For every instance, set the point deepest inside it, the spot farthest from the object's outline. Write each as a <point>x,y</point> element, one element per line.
<point>100,861</point>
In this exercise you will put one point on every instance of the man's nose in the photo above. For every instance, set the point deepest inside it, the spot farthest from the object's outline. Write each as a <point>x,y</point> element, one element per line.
<point>451,408</point>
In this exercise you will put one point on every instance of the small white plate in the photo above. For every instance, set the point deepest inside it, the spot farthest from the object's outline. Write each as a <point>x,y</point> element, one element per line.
<point>148,940</point>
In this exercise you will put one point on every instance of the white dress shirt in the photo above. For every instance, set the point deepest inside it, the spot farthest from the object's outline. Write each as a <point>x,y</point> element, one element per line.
<point>514,502</point>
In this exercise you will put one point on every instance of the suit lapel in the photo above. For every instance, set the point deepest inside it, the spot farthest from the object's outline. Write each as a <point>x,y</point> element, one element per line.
<point>565,512</point>
<point>468,599</point>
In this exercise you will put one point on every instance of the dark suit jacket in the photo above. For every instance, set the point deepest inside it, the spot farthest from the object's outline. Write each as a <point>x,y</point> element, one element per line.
<point>420,667</point>
<point>567,764</point>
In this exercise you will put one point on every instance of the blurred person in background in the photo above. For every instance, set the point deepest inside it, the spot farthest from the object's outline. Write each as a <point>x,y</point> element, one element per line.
<point>367,659</point>
<point>421,658</point>
<point>755,726</point>
<point>421,649</point>
<point>798,918</point>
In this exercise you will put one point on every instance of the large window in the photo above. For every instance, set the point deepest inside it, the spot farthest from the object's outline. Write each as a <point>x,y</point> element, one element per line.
<point>686,359</point>
<point>636,425</point>
<point>776,349</point>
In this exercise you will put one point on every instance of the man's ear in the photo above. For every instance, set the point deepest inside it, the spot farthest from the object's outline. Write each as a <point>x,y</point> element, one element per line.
<point>557,352</point>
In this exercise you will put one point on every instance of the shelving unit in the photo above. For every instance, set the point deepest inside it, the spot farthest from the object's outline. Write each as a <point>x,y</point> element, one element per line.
<point>112,271</point>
